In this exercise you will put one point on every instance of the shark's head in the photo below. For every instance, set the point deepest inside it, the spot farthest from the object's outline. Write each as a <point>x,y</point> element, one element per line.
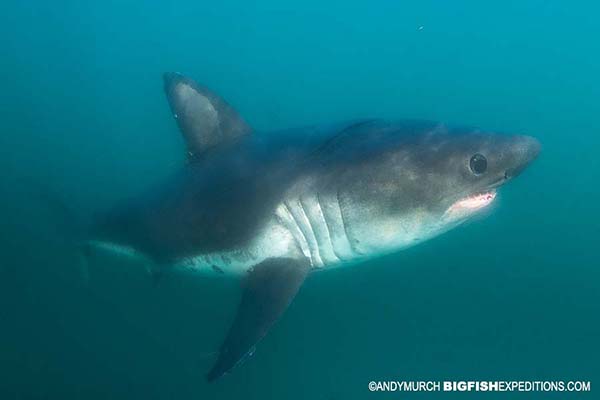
<point>420,180</point>
<point>466,168</point>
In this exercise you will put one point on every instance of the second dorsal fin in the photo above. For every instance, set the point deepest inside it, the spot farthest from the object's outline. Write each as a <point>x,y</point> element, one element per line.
<point>204,118</point>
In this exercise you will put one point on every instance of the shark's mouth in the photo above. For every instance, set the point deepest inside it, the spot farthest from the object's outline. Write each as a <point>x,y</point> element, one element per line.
<point>472,203</point>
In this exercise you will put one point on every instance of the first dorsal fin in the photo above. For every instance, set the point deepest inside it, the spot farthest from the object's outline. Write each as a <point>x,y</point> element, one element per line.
<point>204,118</point>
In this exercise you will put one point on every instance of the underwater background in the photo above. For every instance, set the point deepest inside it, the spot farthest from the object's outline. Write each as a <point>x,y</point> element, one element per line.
<point>512,296</point>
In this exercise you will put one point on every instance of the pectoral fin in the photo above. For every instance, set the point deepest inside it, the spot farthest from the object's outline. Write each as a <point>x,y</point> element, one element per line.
<point>268,290</point>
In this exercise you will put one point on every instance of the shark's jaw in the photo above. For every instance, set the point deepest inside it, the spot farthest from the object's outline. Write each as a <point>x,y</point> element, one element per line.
<point>469,205</point>
<point>474,202</point>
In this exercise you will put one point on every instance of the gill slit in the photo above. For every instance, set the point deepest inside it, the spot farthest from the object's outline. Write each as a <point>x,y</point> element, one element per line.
<point>303,240</point>
<point>311,232</point>
<point>343,219</point>
<point>327,228</point>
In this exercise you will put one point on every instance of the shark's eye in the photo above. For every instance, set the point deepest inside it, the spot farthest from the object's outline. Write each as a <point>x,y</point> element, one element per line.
<point>478,164</point>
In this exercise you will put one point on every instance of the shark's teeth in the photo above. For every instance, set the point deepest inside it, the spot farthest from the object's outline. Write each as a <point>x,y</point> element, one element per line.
<point>472,203</point>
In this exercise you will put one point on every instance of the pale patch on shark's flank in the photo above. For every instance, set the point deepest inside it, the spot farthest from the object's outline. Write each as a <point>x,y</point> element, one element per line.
<point>117,250</point>
<point>121,252</point>
<point>275,240</point>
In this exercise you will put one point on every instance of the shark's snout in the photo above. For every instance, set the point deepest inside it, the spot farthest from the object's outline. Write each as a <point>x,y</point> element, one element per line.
<point>170,78</point>
<point>525,149</point>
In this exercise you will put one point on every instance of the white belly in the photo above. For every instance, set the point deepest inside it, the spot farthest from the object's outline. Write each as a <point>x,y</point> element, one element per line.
<point>298,228</point>
<point>272,241</point>
<point>315,230</point>
<point>310,227</point>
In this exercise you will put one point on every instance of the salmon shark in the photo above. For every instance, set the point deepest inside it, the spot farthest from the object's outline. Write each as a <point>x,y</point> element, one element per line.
<point>272,207</point>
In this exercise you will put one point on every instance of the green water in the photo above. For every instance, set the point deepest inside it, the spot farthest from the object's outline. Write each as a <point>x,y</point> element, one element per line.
<point>513,296</point>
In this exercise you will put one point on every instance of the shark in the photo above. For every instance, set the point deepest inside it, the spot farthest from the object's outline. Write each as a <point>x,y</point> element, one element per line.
<point>271,208</point>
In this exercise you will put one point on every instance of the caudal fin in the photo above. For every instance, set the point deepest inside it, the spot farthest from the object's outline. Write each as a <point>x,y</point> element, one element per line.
<point>66,226</point>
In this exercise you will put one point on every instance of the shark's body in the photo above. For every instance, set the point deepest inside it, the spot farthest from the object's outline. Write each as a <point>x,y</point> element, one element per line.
<point>275,194</point>
<point>272,207</point>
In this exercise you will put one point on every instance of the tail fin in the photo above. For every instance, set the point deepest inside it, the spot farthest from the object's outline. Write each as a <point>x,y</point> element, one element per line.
<point>67,227</point>
<point>66,222</point>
